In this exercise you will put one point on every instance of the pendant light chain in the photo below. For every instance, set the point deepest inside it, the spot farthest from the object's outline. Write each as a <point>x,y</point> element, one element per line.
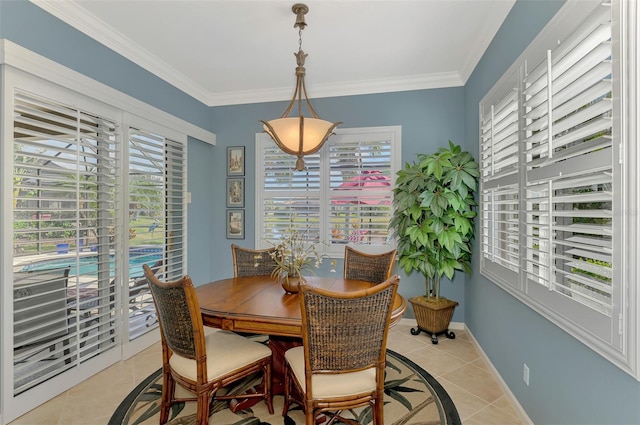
<point>299,39</point>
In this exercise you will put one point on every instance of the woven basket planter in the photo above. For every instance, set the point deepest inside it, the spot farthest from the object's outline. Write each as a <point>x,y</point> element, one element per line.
<point>433,316</point>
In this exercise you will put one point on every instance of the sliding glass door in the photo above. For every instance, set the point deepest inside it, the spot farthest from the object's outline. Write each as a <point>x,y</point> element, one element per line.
<point>93,193</point>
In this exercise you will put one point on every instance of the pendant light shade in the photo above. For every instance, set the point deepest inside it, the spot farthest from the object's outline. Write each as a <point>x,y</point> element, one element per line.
<point>299,135</point>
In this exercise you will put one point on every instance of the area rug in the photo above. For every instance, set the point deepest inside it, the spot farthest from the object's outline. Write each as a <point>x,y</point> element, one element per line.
<point>412,396</point>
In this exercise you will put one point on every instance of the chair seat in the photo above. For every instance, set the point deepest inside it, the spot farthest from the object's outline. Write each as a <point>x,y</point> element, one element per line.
<point>331,385</point>
<point>226,352</point>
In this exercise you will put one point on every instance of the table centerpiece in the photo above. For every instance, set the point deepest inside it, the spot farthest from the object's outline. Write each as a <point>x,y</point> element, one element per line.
<point>295,255</point>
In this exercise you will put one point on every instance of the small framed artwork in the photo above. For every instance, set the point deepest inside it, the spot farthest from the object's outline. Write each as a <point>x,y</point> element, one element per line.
<point>235,161</point>
<point>235,224</point>
<point>235,193</point>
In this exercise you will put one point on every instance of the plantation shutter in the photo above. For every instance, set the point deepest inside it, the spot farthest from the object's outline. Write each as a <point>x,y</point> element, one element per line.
<point>64,231</point>
<point>361,191</point>
<point>549,174</point>
<point>156,220</point>
<point>289,199</point>
<point>499,132</point>
<point>342,197</point>
<point>570,173</point>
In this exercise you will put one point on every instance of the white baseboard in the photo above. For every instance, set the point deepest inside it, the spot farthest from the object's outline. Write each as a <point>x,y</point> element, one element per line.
<point>522,415</point>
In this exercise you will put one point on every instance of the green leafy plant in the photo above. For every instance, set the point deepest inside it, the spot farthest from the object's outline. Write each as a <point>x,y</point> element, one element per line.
<point>434,214</point>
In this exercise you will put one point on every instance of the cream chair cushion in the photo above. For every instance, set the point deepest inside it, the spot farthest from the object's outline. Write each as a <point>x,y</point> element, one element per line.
<point>226,352</point>
<point>331,385</point>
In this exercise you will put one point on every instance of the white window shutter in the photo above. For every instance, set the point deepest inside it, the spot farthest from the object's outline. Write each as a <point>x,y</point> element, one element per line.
<point>290,198</point>
<point>553,222</point>
<point>64,202</point>
<point>499,189</point>
<point>569,178</point>
<point>157,184</point>
<point>342,197</point>
<point>360,189</point>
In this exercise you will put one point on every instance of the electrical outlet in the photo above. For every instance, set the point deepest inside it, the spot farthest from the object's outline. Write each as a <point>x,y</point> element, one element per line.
<point>525,374</point>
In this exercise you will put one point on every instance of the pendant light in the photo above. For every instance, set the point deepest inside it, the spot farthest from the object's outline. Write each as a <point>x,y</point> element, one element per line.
<point>299,135</point>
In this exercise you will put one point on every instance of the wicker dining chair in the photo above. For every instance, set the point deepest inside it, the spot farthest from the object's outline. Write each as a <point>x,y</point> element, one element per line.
<point>200,363</point>
<point>252,262</point>
<point>342,360</point>
<point>374,268</point>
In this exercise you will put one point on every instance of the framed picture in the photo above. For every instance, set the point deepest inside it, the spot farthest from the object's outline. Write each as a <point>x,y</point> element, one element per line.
<point>235,224</point>
<point>235,193</point>
<point>235,161</point>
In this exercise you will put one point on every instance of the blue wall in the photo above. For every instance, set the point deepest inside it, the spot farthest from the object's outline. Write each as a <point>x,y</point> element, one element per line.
<point>569,383</point>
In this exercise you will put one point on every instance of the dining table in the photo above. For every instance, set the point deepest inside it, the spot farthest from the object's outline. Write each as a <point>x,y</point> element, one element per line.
<point>259,305</point>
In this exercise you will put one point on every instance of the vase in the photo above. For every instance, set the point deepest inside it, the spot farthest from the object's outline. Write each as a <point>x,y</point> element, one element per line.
<point>290,283</point>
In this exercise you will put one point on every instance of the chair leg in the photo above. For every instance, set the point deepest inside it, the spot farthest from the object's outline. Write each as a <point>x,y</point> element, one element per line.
<point>378,410</point>
<point>202,416</point>
<point>287,389</point>
<point>168,394</point>
<point>268,395</point>
<point>309,414</point>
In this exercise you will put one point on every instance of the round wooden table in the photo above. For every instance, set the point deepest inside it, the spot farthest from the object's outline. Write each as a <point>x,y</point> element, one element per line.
<point>259,305</point>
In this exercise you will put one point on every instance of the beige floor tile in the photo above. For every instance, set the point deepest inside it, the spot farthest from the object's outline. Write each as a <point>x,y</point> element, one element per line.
<point>436,362</point>
<point>46,414</point>
<point>466,403</point>
<point>505,404</point>
<point>492,415</point>
<point>407,345</point>
<point>481,363</point>
<point>459,348</point>
<point>477,381</point>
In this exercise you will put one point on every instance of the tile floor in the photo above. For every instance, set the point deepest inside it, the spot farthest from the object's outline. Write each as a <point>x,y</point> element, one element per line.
<point>457,364</point>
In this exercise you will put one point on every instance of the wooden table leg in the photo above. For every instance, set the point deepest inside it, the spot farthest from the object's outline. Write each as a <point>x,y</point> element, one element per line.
<point>279,345</point>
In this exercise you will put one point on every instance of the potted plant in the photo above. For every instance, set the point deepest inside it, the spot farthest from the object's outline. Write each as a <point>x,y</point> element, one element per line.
<point>433,220</point>
<point>293,256</point>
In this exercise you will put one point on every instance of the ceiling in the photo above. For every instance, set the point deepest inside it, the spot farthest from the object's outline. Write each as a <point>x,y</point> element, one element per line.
<point>225,52</point>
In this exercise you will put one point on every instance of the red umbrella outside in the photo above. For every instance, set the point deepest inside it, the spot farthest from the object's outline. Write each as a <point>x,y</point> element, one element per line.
<point>368,180</point>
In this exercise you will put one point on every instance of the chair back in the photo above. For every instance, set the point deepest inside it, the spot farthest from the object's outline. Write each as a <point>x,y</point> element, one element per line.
<point>252,262</point>
<point>139,286</point>
<point>39,306</point>
<point>178,314</point>
<point>346,331</point>
<point>374,268</point>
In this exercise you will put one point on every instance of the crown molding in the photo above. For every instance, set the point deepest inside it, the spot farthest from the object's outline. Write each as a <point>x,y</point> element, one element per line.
<point>18,57</point>
<point>351,88</point>
<point>78,18</point>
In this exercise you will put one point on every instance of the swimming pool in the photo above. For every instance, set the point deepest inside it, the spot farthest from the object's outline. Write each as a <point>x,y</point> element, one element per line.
<point>88,265</point>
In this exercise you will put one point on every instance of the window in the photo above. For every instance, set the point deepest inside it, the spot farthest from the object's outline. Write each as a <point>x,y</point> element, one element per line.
<point>64,197</point>
<point>343,196</point>
<point>553,179</point>
<point>67,235</point>
<point>93,192</point>
<point>156,220</point>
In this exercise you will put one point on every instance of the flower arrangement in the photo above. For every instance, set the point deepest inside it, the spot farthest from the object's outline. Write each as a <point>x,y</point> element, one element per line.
<point>295,255</point>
